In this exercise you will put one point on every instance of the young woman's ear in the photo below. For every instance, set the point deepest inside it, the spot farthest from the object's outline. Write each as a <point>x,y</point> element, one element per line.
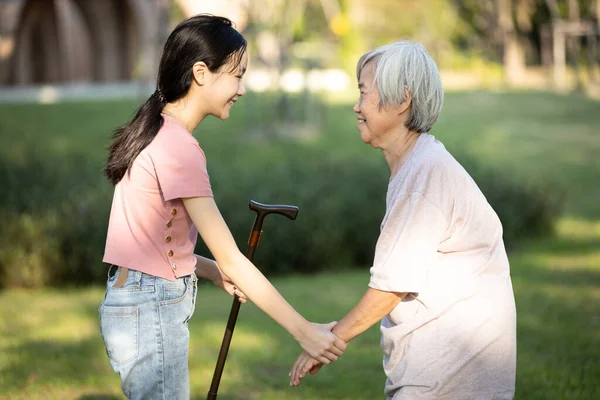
<point>200,71</point>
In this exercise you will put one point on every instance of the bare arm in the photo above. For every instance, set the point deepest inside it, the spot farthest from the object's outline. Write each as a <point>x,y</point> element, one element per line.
<point>372,307</point>
<point>324,345</point>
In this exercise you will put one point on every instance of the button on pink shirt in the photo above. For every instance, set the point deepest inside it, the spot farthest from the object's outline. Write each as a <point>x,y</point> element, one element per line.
<point>149,228</point>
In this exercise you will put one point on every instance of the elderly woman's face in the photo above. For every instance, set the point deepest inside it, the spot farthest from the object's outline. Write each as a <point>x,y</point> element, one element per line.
<point>378,127</point>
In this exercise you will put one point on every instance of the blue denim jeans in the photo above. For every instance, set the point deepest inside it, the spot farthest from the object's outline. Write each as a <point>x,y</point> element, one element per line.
<point>144,325</point>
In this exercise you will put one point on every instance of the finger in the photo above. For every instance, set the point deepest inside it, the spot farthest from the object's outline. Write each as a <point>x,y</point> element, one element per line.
<point>315,369</point>
<point>299,365</point>
<point>308,366</point>
<point>294,372</point>
<point>229,289</point>
<point>240,296</point>
<point>299,375</point>
<point>333,349</point>
<point>340,344</point>
<point>239,293</point>
<point>330,356</point>
<point>323,360</point>
<point>330,325</point>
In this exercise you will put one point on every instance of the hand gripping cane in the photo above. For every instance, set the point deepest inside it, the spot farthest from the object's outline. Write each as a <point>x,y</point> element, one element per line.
<point>262,210</point>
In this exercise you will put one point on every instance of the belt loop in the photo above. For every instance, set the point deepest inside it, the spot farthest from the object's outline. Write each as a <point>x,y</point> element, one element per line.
<point>122,278</point>
<point>138,278</point>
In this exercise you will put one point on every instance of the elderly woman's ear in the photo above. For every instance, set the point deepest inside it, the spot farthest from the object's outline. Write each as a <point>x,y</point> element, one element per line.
<point>405,106</point>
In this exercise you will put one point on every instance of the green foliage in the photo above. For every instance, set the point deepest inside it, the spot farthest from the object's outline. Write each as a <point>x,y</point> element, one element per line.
<point>54,220</point>
<point>341,206</point>
<point>55,206</point>
<point>526,210</point>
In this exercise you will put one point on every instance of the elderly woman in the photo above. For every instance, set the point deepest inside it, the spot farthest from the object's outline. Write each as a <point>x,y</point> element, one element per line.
<point>440,282</point>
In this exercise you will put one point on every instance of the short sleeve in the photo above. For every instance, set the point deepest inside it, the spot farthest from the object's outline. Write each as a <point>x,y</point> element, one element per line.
<point>407,245</point>
<point>181,171</point>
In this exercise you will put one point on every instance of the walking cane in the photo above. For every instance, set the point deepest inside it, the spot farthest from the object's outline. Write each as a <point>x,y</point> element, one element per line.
<point>262,210</point>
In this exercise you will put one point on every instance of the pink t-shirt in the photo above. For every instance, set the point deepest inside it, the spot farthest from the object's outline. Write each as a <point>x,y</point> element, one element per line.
<point>149,228</point>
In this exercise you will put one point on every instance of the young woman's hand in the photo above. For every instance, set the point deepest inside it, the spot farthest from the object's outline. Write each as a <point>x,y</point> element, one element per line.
<point>223,281</point>
<point>321,344</point>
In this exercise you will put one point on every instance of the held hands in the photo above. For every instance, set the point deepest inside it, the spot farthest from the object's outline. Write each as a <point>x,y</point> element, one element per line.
<point>320,346</point>
<point>304,364</point>
<point>223,281</point>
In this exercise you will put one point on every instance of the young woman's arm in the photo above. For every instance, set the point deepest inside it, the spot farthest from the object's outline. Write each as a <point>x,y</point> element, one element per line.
<point>315,339</point>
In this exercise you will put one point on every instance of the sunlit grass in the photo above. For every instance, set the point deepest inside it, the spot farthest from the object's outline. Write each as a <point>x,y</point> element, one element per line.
<point>54,350</point>
<point>557,287</point>
<point>577,229</point>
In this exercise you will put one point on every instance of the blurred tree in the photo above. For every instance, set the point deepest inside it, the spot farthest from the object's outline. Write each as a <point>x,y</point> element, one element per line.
<point>434,23</point>
<point>521,32</point>
<point>514,58</point>
<point>458,33</point>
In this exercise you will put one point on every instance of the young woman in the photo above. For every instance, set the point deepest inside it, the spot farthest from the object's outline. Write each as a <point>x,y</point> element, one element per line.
<point>162,200</point>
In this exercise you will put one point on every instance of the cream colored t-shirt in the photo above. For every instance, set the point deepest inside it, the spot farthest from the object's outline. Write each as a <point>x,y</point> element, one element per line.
<point>454,335</point>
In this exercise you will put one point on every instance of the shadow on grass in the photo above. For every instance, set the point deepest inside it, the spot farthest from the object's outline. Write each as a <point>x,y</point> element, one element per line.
<point>37,362</point>
<point>558,326</point>
<point>556,289</point>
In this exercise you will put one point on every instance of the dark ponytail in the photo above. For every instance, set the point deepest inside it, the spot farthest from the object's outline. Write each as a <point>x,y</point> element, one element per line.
<point>129,140</point>
<point>204,37</point>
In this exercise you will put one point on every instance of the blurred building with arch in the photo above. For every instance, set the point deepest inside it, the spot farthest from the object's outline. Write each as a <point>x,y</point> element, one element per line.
<point>91,41</point>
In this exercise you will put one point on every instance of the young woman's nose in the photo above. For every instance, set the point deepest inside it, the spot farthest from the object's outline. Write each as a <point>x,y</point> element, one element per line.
<point>241,89</point>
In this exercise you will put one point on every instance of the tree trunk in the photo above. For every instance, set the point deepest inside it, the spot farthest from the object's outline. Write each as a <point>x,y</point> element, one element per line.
<point>553,8</point>
<point>573,44</point>
<point>514,57</point>
<point>558,45</point>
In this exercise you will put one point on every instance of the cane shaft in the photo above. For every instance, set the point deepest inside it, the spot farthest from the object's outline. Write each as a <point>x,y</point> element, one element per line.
<point>262,210</point>
<point>233,314</point>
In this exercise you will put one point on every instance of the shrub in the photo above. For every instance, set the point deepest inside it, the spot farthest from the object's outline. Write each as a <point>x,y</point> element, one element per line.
<point>55,207</point>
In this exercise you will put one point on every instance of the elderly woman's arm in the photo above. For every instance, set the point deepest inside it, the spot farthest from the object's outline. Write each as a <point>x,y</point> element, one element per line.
<point>374,305</point>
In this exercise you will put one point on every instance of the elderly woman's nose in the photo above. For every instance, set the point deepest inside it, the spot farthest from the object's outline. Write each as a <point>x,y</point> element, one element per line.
<point>356,109</point>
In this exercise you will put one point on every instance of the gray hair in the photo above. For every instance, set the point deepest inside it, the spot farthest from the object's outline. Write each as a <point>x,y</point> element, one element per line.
<point>406,64</point>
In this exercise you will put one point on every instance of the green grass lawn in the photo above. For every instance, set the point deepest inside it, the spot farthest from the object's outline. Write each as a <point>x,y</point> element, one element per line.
<point>50,347</point>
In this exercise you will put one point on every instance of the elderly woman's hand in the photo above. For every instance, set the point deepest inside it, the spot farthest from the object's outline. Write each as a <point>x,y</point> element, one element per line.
<point>304,364</point>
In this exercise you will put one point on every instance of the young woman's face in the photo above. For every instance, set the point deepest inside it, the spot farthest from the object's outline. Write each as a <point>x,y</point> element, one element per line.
<point>225,87</point>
